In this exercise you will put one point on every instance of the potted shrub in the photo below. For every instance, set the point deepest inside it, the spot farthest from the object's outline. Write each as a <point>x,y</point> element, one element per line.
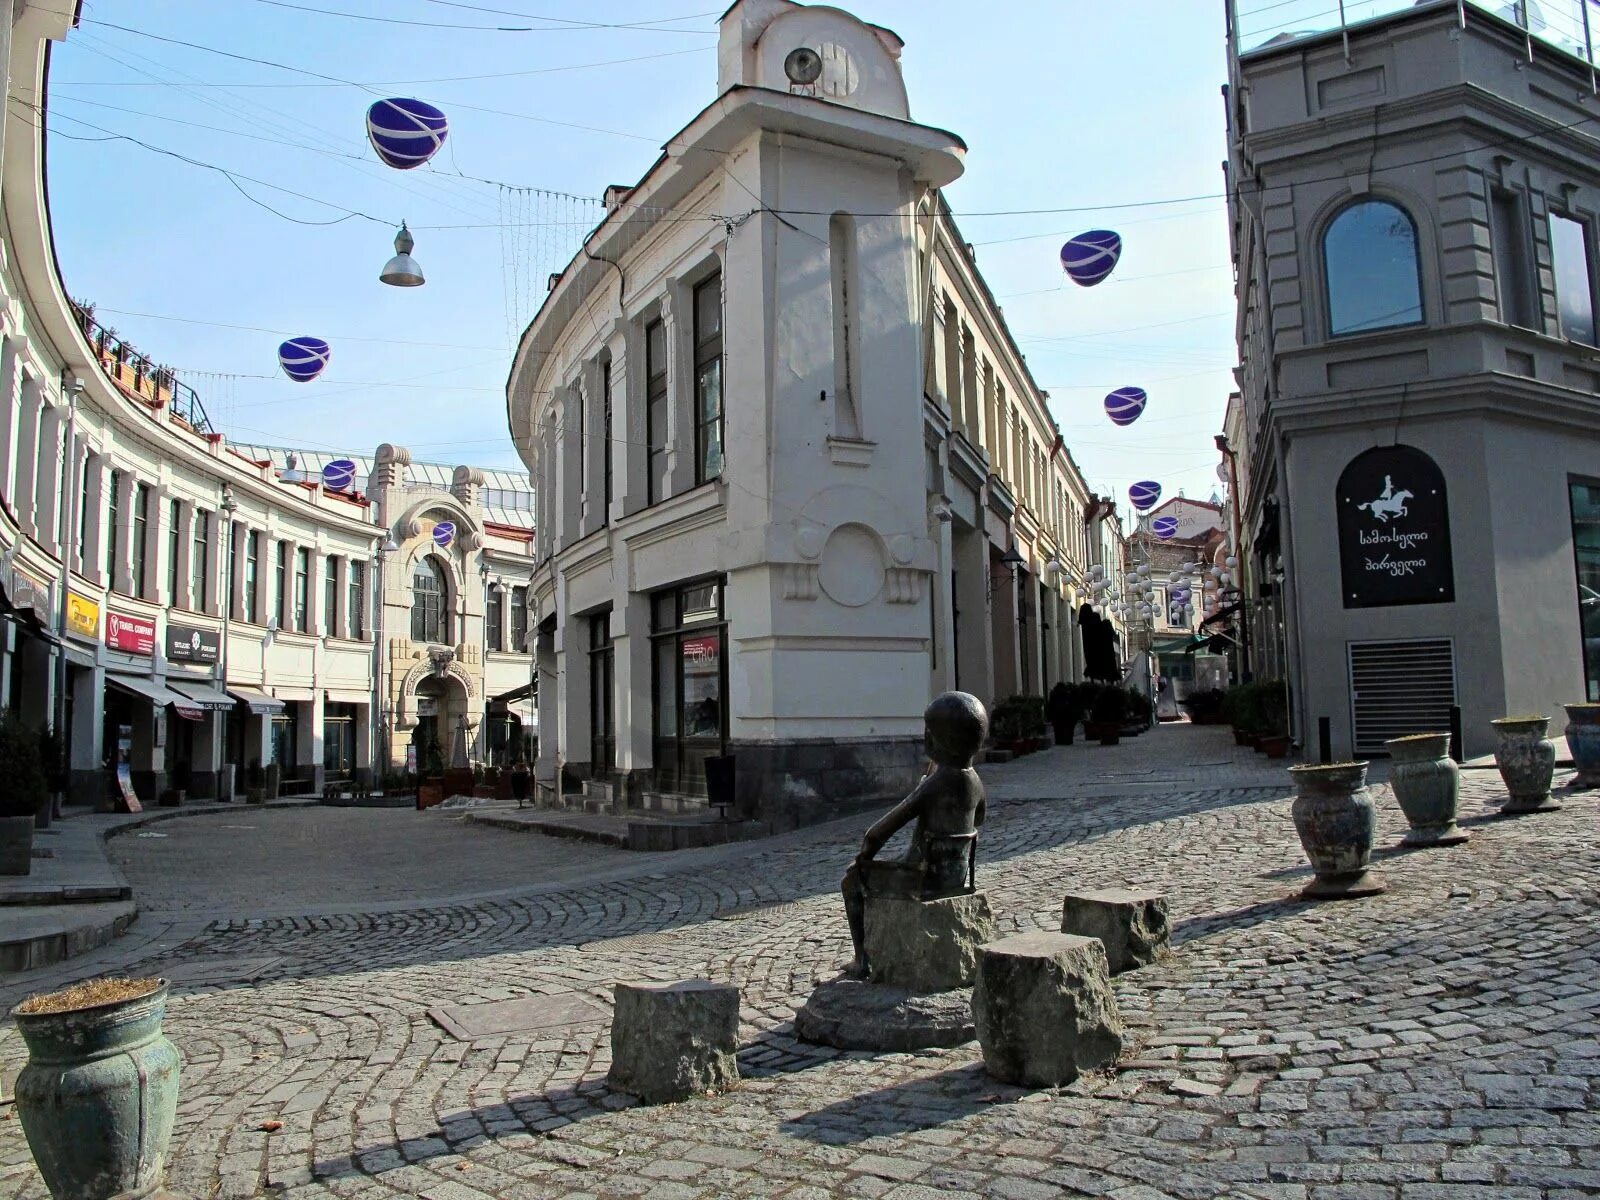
<point>1527,761</point>
<point>1017,723</point>
<point>1336,821</point>
<point>1204,707</point>
<point>100,1089</point>
<point>1141,713</point>
<point>1109,712</point>
<point>1273,730</point>
<point>22,794</point>
<point>1063,709</point>
<point>1583,739</point>
<point>1427,786</point>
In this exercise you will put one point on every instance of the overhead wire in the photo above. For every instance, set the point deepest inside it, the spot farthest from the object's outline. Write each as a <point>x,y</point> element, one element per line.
<point>557,24</point>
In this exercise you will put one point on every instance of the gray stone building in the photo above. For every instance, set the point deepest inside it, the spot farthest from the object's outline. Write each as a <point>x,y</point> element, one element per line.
<point>1414,215</point>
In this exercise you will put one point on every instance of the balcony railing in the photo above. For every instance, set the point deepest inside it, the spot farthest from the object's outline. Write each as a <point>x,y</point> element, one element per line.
<point>1569,25</point>
<point>150,381</point>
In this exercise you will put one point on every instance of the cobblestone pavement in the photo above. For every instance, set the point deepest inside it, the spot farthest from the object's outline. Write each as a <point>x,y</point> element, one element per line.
<point>1437,1041</point>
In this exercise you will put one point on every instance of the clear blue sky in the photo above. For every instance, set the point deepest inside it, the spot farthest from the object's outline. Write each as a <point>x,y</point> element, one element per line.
<point>1063,103</point>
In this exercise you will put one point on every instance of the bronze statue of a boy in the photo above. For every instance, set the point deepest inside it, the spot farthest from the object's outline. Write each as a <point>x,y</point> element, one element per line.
<point>948,807</point>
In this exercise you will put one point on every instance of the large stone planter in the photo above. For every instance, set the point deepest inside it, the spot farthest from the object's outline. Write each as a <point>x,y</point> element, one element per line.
<point>1527,761</point>
<point>1583,739</point>
<point>1336,821</point>
<point>16,845</point>
<point>1427,786</point>
<point>98,1096</point>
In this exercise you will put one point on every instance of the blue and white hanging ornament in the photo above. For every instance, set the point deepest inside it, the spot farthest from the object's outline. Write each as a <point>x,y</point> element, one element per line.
<point>1125,404</point>
<point>443,534</point>
<point>339,474</point>
<point>1143,495</point>
<point>304,358</point>
<point>1164,527</point>
<point>406,133</point>
<point>1090,257</point>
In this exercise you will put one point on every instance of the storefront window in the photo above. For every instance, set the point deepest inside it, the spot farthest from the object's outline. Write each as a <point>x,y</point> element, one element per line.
<point>691,718</point>
<point>1586,544</point>
<point>602,706</point>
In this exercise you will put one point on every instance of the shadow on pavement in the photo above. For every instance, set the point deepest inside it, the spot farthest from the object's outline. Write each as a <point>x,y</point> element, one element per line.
<point>925,1102</point>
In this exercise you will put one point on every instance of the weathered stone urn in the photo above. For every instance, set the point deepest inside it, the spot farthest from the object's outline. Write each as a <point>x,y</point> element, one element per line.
<point>1527,761</point>
<point>1427,786</point>
<point>98,1096</point>
<point>1583,739</point>
<point>1336,821</point>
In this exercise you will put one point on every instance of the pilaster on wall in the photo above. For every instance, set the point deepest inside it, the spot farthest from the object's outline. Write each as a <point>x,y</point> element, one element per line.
<point>52,434</point>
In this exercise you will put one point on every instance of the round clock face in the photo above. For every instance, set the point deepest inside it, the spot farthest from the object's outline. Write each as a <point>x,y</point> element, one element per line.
<point>839,75</point>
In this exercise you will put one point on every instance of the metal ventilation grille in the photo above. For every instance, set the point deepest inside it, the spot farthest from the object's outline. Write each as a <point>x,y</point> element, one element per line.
<point>1398,688</point>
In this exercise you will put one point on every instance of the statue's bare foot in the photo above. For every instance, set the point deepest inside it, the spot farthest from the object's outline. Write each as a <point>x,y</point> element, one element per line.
<point>856,968</point>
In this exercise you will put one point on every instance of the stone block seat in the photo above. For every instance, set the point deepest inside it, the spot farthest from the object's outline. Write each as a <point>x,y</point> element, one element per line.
<point>671,1041</point>
<point>927,945</point>
<point>1133,926</point>
<point>1043,1009</point>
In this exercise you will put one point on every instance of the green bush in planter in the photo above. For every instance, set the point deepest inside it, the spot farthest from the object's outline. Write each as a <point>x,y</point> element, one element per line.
<point>1273,708</point>
<point>1017,718</point>
<point>1110,706</point>
<point>23,790</point>
<point>1204,705</point>
<point>1140,711</point>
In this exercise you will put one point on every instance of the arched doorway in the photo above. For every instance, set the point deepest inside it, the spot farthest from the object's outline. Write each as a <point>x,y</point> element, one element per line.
<point>441,710</point>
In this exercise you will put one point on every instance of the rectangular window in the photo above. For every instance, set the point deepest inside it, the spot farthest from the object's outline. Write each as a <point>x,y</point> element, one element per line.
<point>1586,545</point>
<point>113,528</point>
<point>1571,258</point>
<point>252,567</point>
<point>200,562</point>
<point>90,467</point>
<point>1508,234</point>
<point>302,590</point>
<point>174,529</point>
<point>493,616</point>
<point>233,567</point>
<point>690,719</point>
<point>280,593</point>
<point>581,414</point>
<point>708,379</point>
<point>655,411</point>
<point>330,597</point>
<point>356,615</point>
<point>605,433</point>
<point>141,541</point>
<point>519,619</point>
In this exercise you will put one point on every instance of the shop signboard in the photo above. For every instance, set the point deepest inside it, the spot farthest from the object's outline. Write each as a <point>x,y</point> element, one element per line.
<point>131,635</point>
<point>187,643</point>
<point>31,596</point>
<point>1394,530</point>
<point>701,655</point>
<point>83,616</point>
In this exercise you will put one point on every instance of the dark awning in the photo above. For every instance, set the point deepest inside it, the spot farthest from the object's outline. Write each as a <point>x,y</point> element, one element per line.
<point>148,689</point>
<point>524,692</point>
<point>1222,614</point>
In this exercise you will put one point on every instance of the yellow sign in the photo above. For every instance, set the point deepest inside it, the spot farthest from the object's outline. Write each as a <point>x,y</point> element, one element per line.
<point>83,616</point>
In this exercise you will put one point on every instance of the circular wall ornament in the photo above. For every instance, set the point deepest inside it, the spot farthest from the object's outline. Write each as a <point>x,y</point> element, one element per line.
<point>852,570</point>
<point>443,534</point>
<point>808,541</point>
<point>902,547</point>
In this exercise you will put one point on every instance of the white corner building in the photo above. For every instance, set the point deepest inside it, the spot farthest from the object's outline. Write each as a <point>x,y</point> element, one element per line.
<point>793,475</point>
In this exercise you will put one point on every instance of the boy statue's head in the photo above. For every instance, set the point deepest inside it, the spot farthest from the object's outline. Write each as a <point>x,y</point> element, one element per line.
<point>955,725</point>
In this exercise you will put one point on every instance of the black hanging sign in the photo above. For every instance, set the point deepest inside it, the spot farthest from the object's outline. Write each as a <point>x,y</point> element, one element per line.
<point>188,644</point>
<point>1394,530</point>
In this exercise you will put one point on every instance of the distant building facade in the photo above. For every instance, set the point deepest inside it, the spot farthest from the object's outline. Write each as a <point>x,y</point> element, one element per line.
<point>1415,219</point>
<point>793,475</point>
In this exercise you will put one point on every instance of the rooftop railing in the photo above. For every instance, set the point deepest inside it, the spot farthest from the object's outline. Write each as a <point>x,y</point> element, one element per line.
<point>150,381</point>
<point>1569,25</point>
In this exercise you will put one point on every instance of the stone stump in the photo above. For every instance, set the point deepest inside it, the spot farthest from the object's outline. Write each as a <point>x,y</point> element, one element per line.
<point>1043,1009</point>
<point>671,1041</point>
<point>1133,926</point>
<point>927,945</point>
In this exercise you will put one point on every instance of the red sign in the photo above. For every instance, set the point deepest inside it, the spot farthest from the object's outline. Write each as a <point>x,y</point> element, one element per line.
<point>132,635</point>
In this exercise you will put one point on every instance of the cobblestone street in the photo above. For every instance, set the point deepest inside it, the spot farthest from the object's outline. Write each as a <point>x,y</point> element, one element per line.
<point>1439,1040</point>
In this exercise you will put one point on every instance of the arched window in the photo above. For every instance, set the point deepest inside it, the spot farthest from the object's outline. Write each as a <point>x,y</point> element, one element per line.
<point>1374,275</point>
<point>430,603</point>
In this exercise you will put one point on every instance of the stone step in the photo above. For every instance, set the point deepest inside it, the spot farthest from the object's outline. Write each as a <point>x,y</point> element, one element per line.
<point>595,790</point>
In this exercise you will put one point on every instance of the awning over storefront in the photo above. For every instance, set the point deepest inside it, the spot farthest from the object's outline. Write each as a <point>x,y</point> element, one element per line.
<point>149,689</point>
<point>260,703</point>
<point>1222,614</point>
<point>304,694</point>
<point>347,696</point>
<point>202,694</point>
<point>519,703</point>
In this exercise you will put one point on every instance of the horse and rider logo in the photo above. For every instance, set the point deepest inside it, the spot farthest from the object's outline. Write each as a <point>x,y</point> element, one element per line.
<point>1389,503</point>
